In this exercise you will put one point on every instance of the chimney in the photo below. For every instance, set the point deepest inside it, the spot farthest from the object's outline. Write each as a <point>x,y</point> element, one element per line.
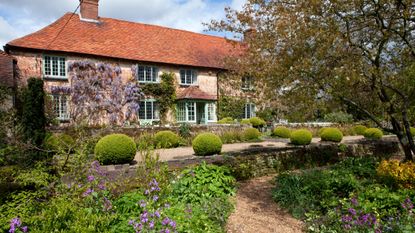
<point>89,10</point>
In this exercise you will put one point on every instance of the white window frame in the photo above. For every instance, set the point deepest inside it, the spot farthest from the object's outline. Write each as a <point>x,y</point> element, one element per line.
<point>251,107</point>
<point>188,81</point>
<point>60,113</point>
<point>187,105</point>
<point>211,112</point>
<point>155,111</point>
<point>51,75</point>
<point>154,70</point>
<point>247,83</point>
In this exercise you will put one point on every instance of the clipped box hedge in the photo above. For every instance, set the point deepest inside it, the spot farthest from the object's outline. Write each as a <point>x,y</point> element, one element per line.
<point>115,149</point>
<point>373,133</point>
<point>331,135</point>
<point>301,137</point>
<point>207,144</point>
<point>166,139</point>
<point>282,132</point>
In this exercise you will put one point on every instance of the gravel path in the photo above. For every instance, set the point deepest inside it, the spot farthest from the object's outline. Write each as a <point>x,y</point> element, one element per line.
<point>187,152</point>
<point>256,211</point>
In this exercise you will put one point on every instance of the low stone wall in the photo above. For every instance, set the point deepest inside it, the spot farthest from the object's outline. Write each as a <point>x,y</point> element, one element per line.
<point>255,162</point>
<point>136,131</point>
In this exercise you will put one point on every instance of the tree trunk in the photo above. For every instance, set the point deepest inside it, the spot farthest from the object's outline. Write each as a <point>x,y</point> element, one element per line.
<point>403,141</point>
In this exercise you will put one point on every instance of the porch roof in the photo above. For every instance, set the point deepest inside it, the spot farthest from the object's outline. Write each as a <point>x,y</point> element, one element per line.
<point>194,93</point>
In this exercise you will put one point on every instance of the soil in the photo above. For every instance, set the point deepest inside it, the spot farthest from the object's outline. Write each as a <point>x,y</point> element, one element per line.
<point>256,211</point>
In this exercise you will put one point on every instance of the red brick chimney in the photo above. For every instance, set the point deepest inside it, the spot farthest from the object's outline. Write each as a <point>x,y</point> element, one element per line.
<point>89,10</point>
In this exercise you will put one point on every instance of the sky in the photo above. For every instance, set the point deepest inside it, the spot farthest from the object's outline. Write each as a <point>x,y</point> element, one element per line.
<point>21,17</point>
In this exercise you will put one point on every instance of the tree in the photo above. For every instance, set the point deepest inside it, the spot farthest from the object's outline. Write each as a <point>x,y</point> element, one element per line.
<point>358,52</point>
<point>98,93</point>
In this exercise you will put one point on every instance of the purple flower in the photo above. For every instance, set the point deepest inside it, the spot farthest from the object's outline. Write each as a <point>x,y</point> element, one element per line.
<point>157,214</point>
<point>101,186</point>
<point>142,203</point>
<point>354,201</point>
<point>91,178</point>
<point>87,192</point>
<point>155,198</point>
<point>146,192</point>
<point>131,222</point>
<point>151,225</point>
<point>173,224</point>
<point>25,229</point>
<point>14,224</point>
<point>352,211</point>
<point>165,221</point>
<point>407,204</point>
<point>346,218</point>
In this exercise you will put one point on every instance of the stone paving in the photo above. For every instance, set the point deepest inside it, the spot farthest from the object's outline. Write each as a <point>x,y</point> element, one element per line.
<point>187,152</point>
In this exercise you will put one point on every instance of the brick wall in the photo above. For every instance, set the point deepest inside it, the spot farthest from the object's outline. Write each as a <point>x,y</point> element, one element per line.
<point>6,70</point>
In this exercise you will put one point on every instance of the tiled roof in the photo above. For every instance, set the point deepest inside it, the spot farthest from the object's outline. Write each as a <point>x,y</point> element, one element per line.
<point>128,40</point>
<point>194,92</point>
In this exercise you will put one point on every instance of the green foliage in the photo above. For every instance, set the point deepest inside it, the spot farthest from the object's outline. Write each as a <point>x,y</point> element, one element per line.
<point>230,107</point>
<point>184,130</point>
<point>59,142</point>
<point>207,144</point>
<point>359,129</point>
<point>301,137</point>
<point>412,131</point>
<point>164,92</point>
<point>115,149</point>
<point>33,119</point>
<point>282,132</point>
<point>166,139</point>
<point>226,120</point>
<point>257,122</point>
<point>204,182</point>
<point>332,135</point>
<point>231,136</point>
<point>251,134</point>
<point>339,117</point>
<point>373,133</point>
<point>266,114</point>
<point>245,122</point>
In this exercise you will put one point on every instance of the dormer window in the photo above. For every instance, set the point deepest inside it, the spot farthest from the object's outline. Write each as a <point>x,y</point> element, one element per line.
<point>54,67</point>
<point>188,77</point>
<point>147,74</point>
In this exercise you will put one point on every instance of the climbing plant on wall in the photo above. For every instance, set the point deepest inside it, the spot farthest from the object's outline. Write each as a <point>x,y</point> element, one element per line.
<point>230,107</point>
<point>98,92</point>
<point>164,92</point>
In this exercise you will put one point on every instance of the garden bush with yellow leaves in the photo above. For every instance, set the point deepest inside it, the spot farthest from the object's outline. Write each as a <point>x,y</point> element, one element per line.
<point>399,173</point>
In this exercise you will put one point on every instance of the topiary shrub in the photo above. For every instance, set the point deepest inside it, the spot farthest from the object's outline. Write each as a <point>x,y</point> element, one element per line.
<point>166,139</point>
<point>59,142</point>
<point>257,122</point>
<point>373,133</point>
<point>321,131</point>
<point>226,120</point>
<point>301,137</point>
<point>359,129</point>
<point>207,144</point>
<point>282,132</point>
<point>115,149</point>
<point>245,122</point>
<point>332,135</point>
<point>251,134</point>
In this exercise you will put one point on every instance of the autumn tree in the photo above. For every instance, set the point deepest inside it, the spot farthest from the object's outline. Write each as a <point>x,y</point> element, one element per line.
<point>357,52</point>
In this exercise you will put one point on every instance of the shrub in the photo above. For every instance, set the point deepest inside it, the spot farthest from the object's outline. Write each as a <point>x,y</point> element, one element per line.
<point>301,137</point>
<point>339,117</point>
<point>251,134</point>
<point>115,149</point>
<point>359,129</point>
<point>321,131</point>
<point>245,122</point>
<point>166,139</point>
<point>231,136</point>
<point>203,182</point>
<point>59,142</point>
<point>332,135</point>
<point>226,120</point>
<point>207,144</point>
<point>373,133</point>
<point>413,131</point>
<point>401,174</point>
<point>257,122</point>
<point>184,130</point>
<point>282,132</point>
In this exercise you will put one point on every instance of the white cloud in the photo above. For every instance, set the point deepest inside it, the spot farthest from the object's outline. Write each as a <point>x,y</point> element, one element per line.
<point>21,17</point>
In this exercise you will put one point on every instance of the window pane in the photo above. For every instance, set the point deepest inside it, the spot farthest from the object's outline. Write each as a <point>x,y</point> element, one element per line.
<point>47,65</point>
<point>188,76</point>
<point>142,111</point>
<point>194,77</point>
<point>149,110</point>
<point>55,66</point>
<point>181,112</point>
<point>155,74</point>
<point>191,111</point>
<point>182,76</point>
<point>156,111</point>
<point>62,70</point>
<point>140,73</point>
<point>148,74</point>
<point>211,111</point>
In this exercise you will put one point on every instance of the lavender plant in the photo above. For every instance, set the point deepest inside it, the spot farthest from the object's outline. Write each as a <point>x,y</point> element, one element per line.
<point>98,92</point>
<point>16,226</point>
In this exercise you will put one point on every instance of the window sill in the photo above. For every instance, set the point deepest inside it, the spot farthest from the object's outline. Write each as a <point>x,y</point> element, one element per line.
<point>149,82</point>
<point>188,85</point>
<point>55,78</point>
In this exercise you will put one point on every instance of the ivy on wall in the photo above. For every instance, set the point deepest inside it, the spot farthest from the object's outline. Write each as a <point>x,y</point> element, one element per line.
<point>230,107</point>
<point>164,92</point>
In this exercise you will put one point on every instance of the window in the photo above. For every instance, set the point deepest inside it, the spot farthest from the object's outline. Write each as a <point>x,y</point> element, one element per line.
<point>61,106</point>
<point>186,112</point>
<point>149,110</point>
<point>188,77</point>
<point>211,111</point>
<point>54,67</point>
<point>249,110</point>
<point>147,74</point>
<point>247,83</point>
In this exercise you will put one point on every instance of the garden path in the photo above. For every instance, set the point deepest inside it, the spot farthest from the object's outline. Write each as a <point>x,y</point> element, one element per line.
<point>256,211</point>
<point>187,152</point>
